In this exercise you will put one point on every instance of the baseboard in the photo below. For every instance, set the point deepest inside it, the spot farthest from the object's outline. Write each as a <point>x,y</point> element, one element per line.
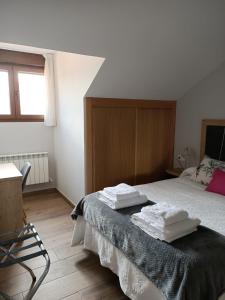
<point>39,187</point>
<point>49,191</point>
<point>66,199</point>
<point>38,192</point>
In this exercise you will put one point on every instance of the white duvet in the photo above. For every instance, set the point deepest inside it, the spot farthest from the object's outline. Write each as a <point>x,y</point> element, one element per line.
<point>183,193</point>
<point>191,196</point>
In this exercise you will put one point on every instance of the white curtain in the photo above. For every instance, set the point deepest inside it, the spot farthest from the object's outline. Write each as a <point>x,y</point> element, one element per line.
<point>50,112</point>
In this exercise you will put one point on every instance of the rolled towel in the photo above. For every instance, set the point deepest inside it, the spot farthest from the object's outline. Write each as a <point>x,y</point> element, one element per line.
<point>168,233</point>
<point>120,192</point>
<point>122,204</point>
<point>165,214</point>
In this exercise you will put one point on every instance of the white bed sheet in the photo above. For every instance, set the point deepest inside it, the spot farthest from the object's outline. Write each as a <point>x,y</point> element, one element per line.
<point>191,196</point>
<point>182,192</point>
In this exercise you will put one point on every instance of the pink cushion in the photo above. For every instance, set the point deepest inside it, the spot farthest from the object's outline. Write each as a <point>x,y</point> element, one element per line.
<point>217,183</point>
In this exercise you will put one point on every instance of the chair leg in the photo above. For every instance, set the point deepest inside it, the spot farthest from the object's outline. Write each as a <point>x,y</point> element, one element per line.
<point>24,218</point>
<point>35,287</point>
<point>9,253</point>
<point>20,263</point>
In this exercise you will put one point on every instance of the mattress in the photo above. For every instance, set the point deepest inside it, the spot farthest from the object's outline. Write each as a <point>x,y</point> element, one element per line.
<point>191,196</point>
<point>183,193</point>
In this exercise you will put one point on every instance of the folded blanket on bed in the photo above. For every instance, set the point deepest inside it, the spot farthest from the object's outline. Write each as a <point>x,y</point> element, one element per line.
<point>164,213</point>
<point>190,268</point>
<point>115,204</point>
<point>168,233</point>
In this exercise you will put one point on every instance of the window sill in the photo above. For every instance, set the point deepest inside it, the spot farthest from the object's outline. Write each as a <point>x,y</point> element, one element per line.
<point>22,119</point>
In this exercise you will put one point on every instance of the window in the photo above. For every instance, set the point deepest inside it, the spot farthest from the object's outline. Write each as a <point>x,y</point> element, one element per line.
<point>22,91</point>
<point>4,93</point>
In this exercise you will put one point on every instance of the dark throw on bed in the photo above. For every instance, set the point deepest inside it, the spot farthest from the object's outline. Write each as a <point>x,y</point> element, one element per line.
<point>190,268</point>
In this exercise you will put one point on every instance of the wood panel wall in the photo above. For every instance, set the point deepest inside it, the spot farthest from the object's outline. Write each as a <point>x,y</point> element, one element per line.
<point>127,140</point>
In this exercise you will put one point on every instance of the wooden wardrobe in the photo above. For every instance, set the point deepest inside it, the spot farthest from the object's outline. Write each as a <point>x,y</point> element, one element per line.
<point>128,141</point>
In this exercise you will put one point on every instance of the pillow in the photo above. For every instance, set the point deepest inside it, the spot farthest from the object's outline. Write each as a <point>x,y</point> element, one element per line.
<point>206,169</point>
<point>217,184</point>
<point>188,172</point>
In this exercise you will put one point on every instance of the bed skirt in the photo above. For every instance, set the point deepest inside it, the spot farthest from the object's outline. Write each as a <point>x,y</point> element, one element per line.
<point>133,282</point>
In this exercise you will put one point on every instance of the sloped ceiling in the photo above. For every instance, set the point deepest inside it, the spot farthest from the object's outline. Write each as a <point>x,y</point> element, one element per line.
<point>153,49</point>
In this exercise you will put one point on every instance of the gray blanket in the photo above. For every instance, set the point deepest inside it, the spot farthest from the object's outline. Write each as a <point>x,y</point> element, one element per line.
<point>190,268</point>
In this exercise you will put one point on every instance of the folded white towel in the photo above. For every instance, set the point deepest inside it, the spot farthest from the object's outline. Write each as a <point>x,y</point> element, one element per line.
<point>119,198</point>
<point>162,238</point>
<point>120,192</point>
<point>122,204</point>
<point>167,233</point>
<point>165,214</point>
<point>168,230</point>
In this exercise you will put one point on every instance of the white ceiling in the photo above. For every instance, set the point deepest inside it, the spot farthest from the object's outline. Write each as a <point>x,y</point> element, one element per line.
<point>153,49</point>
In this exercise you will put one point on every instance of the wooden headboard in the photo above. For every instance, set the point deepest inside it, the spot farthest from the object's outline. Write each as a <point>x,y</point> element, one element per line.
<point>213,139</point>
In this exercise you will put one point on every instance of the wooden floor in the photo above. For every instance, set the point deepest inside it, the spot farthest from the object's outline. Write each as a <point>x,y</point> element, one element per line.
<point>75,274</point>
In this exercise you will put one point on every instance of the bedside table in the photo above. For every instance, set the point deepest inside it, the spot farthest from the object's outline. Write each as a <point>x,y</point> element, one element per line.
<point>174,172</point>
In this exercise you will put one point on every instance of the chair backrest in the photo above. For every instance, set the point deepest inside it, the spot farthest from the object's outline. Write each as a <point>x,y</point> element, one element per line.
<point>25,171</point>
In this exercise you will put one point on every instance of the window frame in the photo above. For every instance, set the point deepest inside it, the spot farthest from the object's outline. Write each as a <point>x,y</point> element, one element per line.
<point>8,68</point>
<point>13,63</point>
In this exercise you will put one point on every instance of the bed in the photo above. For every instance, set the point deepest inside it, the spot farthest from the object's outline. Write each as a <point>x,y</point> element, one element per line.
<point>182,192</point>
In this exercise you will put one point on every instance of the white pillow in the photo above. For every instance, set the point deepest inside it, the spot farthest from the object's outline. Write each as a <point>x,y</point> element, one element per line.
<point>188,172</point>
<point>206,169</point>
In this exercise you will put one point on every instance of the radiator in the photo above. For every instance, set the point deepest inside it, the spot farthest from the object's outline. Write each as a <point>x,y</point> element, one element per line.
<point>39,172</point>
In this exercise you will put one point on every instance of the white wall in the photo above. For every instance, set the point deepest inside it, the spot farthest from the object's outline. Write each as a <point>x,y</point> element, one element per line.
<point>20,137</point>
<point>204,101</point>
<point>23,137</point>
<point>74,74</point>
<point>158,49</point>
<point>153,48</point>
<point>65,142</point>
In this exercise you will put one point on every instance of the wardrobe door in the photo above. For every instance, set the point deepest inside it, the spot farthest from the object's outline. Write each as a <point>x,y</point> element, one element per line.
<point>127,141</point>
<point>113,152</point>
<point>154,143</point>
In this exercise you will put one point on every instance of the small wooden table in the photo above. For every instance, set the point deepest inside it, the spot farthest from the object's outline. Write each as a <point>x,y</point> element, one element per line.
<point>11,202</point>
<point>174,172</point>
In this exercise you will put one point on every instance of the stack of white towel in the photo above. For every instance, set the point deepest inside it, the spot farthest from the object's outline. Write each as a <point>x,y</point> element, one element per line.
<point>121,196</point>
<point>165,222</point>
